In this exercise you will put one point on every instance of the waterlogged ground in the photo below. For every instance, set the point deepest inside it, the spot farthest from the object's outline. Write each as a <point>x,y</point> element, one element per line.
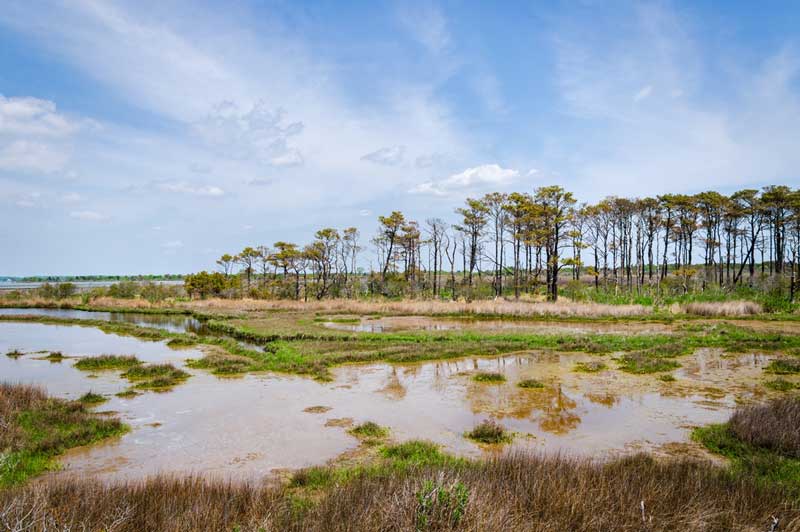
<point>257,425</point>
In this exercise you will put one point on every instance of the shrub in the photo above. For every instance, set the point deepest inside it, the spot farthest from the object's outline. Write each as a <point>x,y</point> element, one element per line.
<point>489,431</point>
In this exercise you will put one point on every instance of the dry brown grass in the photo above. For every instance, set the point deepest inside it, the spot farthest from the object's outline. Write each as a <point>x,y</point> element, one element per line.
<point>520,309</point>
<point>515,492</point>
<point>774,426</point>
<point>723,309</point>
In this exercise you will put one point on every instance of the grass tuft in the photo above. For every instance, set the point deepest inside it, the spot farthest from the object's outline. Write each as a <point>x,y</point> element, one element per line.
<point>107,363</point>
<point>640,363</point>
<point>592,366</point>
<point>784,366</point>
<point>530,383</point>
<point>490,378</point>
<point>91,398</point>
<point>490,432</point>
<point>15,353</point>
<point>369,430</point>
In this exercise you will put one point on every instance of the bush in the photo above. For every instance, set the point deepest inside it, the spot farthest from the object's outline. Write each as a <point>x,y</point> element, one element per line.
<point>492,378</point>
<point>489,431</point>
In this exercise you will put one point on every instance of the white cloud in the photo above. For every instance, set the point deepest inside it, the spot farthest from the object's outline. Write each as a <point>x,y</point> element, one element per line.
<point>388,156</point>
<point>478,177</point>
<point>643,93</point>
<point>259,134</point>
<point>364,212</point>
<point>32,156</point>
<point>172,244</point>
<point>426,24</point>
<point>32,117</point>
<point>182,187</point>
<point>90,216</point>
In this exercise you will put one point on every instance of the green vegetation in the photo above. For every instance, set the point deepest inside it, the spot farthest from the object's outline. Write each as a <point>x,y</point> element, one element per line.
<point>784,366</point>
<point>640,363</point>
<point>667,378</point>
<point>530,383</point>
<point>489,432</point>
<point>37,428</point>
<point>15,353</point>
<point>369,430</point>
<point>91,398</point>
<point>592,366</point>
<point>55,356</point>
<point>762,442</point>
<point>490,378</point>
<point>107,363</point>
<point>780,385</point>
<point>127,394</point>
<point>155,376</point>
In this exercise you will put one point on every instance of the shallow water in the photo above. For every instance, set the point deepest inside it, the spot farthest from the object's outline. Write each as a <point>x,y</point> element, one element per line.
<point>426,323</point>
<point>251,426</point>
<point>176,323</point>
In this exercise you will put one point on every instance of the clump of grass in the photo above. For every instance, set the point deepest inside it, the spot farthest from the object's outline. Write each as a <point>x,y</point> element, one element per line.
<point>784,366</point>
<point>91,398</point>
<point>530,383</point>
<point>491,378</point>
<point>723,308</point>
<point>181,342</point>
<point>37,428</point>
<point>55,356</point>
<point>592,366</point>
<point>780,385</point>
<point>316,477</point>
<point>369,430</point>
<point>489,431</point>
<point>127,394</point>
<point>107,363</point>
<point>158,377</point>
<point>641,363</point>
<point>15,353</point>
<point>667,378</point>
<point>152,371</point>
<point>223,364</point>
<point>774,426</point>
<point>415,452</point>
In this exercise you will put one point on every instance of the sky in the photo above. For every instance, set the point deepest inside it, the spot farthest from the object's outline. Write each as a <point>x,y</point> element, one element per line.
<point>152,137</point>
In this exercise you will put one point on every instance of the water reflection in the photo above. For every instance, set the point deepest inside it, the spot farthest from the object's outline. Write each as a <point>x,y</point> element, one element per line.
<point>251,426</point>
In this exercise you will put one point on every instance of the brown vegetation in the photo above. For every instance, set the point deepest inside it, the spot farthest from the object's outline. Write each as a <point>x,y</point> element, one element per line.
<point>723,309</point>
<point>774,426</point>
<point>510,493</point>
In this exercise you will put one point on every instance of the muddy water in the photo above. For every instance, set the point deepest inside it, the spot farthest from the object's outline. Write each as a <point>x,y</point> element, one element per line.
<point>251,426</point>
<point>425,323</point>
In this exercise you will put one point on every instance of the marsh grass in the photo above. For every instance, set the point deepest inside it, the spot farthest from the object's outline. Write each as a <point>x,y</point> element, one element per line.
<point>127,394</point>
<point>369,430</point>
<point>784,366</point>
<point>55,356</point>
<point>15,353</point>
<point>157,377</point>
<point>640,363</point>
<point>37,428</point>
<point>107,363</point>
<point>667,378</point>
<point>780,385</point>
<point>490,432</point>
<point>91,398</point>
<point>530,384</point>
<point>591,366</point>
<point>223,364</point>
<point>774,426</point>
<point>489,378</point>
<point>723,308</point>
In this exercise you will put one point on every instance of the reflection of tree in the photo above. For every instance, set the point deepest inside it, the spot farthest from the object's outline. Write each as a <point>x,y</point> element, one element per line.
<point>554,411</point>
<point>393,389</point>
<point>605,399</point>
<point>558,416</point>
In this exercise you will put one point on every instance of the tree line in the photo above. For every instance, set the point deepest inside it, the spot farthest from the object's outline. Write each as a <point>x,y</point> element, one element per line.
<point>507,244</point>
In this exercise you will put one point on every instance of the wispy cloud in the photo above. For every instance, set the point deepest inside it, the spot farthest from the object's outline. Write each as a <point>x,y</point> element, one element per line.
<point>183,187</point>
<point>89,216</point>
<point>389,156</point>
<point>476,178</point>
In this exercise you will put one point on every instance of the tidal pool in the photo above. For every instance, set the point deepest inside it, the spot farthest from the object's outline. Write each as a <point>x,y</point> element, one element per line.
<point>256,425</point>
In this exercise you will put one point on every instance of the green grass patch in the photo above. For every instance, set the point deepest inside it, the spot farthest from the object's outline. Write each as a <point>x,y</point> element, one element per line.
<point>107,363</point>
<point>39,428</point>
<point>784,366</point>
<point>640,363</point>
<point>530,383</point>
<point>127,394</point>
<point>15,353</point>
<point>489,378</point>
<point>667,378</point>
<point>369,430</point>
<point>91,398</point>
<point>55,356</point>
<point>780,385</point>
<point>592,366</point>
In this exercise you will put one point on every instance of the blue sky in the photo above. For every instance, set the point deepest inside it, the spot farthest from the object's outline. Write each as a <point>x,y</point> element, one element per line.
<point>149,137</point>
